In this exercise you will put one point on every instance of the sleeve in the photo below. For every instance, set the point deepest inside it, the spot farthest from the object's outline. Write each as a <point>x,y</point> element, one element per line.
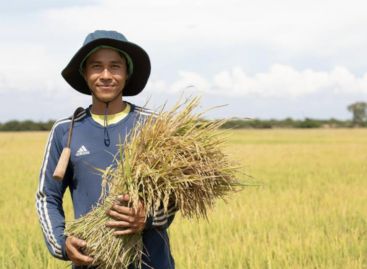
<point>161,220</point>
<point>49,196</point>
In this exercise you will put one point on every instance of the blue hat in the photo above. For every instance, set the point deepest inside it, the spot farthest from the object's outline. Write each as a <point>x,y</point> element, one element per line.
<point>137,60</point>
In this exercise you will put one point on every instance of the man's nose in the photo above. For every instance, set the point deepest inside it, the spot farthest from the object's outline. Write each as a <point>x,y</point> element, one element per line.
<point>106,74</point>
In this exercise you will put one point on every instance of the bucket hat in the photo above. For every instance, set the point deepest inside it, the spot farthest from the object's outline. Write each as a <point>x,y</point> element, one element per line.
<point>137,59</point>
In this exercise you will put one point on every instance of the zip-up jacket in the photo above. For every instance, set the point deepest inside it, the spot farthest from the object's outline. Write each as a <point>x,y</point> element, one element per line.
<point>88,147</point>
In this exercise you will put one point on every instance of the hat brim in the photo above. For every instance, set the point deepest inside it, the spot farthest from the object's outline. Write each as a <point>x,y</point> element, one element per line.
<point>139,57</point>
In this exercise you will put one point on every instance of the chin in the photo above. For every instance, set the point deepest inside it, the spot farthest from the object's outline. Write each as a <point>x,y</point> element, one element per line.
<point>105,97</point>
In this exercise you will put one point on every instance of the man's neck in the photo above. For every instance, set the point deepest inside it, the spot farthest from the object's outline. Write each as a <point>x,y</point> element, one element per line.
<point>114,107</point>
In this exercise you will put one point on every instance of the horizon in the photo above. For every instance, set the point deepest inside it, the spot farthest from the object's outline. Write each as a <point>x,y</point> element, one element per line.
<point>233,119</point>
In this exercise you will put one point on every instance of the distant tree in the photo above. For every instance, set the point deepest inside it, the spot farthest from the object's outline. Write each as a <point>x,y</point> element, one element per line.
<point>309,123</point>
<point>359,111</point>
<point>13,125</point>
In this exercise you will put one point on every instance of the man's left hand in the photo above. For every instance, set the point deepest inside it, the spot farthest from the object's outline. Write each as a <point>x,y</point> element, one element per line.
<point>131,220</point>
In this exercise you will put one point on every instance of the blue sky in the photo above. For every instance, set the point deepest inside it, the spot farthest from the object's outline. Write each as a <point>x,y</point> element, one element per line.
<point>265,59</point>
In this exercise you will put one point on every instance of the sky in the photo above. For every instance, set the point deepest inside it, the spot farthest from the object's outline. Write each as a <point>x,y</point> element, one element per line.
<point>262,59</point>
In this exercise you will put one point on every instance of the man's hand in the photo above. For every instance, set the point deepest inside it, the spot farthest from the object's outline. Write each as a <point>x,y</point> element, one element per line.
<point>131,220</point>
<point>72,248</point>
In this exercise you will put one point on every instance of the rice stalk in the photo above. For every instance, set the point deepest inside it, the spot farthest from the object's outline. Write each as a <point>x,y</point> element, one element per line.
<point>170,157</point>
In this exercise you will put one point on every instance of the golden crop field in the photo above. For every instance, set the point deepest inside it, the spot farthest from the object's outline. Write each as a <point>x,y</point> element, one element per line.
<point>311,211</point>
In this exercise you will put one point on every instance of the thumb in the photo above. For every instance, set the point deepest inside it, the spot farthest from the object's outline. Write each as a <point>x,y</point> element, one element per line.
<point>125,197</point>
<point>76,242</point>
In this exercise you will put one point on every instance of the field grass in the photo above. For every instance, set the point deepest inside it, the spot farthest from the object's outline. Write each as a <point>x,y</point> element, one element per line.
<point>310,213</point>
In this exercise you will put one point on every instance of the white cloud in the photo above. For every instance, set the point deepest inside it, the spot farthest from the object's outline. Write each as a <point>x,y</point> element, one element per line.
<point>29,69</point>
<point>290,26</point>
<point>189,80</point>
<point>223,80</point>
<point>2,84</point>
<point>280,80</point>
<point>283,80</point>
<point>156,86</point>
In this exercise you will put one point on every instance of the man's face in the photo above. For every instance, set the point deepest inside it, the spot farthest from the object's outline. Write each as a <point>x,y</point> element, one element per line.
<point>106,73</point>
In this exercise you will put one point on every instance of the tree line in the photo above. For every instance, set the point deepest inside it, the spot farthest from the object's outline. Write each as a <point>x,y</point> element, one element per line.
<point>291,123</point>
<point>28,125</point>
<point>358,109</point>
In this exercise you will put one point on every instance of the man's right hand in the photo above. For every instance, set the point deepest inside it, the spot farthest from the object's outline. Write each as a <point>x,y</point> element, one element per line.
<point>72,249</point>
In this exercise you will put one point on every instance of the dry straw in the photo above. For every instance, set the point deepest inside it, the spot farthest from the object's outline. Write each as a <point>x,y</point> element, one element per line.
<point>169,157</point>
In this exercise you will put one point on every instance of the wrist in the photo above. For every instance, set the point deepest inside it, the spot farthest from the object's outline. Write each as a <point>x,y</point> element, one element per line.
<point>63,247</point>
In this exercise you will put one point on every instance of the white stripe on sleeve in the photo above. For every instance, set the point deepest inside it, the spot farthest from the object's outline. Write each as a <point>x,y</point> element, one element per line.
<point>41,202</point>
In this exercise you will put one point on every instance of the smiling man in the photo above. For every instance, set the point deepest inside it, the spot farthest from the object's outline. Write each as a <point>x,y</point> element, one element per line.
<point>107,67</point>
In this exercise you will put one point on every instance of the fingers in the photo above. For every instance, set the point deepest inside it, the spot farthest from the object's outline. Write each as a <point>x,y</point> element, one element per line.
<point>125,213</point>
<point>118,224</point>
<point>81,259</point>
<point>77,243</point>
<point>125,232</point>
<point>128,227</point>
<point>124,227</point>
<point>124,198</point>
<point>123,209</point>
<point>72,248</point>
<point>120,216</point>
<point>127,219</point>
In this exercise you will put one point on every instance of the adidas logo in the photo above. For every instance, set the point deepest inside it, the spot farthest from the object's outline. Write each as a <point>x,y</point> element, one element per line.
<point>82,151</point>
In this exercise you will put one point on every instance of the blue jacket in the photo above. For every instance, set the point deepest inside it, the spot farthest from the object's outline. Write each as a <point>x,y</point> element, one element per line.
<point>87,146</point>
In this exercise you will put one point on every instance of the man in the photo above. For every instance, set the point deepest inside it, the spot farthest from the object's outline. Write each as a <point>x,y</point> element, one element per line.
<point>107,67</point>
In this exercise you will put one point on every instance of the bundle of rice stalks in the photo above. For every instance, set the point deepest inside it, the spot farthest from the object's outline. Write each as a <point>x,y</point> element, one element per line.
<point>170,157</point>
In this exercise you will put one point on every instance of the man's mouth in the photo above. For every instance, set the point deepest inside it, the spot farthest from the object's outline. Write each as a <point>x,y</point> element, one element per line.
<point>105,87</point>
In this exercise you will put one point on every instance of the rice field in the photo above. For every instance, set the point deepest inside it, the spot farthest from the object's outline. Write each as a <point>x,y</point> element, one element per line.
<point>310,212</point>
